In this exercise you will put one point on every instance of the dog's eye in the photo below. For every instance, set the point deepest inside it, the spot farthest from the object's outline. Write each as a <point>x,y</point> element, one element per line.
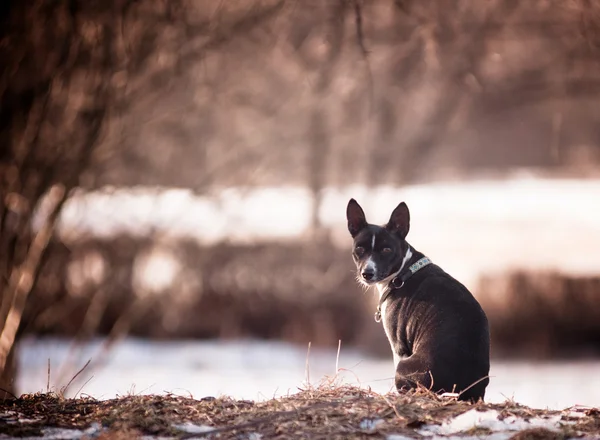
<point>386,250</point>
<point>359,250</point>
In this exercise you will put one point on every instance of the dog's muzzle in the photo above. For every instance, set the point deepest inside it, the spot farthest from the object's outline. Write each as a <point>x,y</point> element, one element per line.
<point>368,274</point>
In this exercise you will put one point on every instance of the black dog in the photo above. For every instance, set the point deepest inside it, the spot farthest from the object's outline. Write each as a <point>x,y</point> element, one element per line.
<point>438,332</point>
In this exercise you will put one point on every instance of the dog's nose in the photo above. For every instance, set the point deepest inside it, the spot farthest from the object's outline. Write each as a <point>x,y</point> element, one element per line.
<point>368,274</point>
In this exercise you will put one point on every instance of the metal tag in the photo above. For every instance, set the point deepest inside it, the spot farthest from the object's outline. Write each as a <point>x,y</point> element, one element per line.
<point>378,314</point>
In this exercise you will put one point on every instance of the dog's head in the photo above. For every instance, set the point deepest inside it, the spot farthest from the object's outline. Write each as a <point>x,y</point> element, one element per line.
<point>378,251</point>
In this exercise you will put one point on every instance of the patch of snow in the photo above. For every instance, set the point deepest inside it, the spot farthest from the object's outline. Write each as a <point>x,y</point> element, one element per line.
<point>370,424</point>
<point>397,437</point>
<point>7,414</point>
<point>192,428</point>
<point>64,434</point>
<point>152,437</point>
<point>260,370</point>
<point>490,420</point>
<point>574,414</point>
<point>466,421</point>
<point>26,421</point>
<point>492,436</point>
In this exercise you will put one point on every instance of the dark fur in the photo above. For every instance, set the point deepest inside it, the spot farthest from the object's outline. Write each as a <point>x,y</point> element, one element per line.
<point>433,321</point>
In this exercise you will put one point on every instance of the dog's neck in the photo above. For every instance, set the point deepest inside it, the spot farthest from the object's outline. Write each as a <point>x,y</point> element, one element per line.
<point>384,284</point>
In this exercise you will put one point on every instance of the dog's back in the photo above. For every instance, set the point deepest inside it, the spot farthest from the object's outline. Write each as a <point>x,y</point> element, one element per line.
<point>443,333</point>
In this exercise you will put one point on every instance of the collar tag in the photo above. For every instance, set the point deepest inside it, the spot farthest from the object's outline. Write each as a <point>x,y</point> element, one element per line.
<point>378,314</point>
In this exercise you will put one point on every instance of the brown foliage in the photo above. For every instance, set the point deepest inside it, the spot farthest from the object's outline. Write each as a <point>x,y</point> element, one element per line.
<point>295,292</point>
<point>541,314</point>
<point>290,292</point>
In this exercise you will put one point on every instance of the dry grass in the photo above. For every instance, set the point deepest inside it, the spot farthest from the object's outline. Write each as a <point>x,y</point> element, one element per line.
<point>328,411</point>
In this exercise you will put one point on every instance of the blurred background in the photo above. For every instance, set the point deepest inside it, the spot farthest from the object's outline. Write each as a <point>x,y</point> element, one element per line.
<point>174,177</point>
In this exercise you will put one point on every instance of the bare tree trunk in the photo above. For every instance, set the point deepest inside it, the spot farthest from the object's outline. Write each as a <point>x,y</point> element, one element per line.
<point>22,278</point>
<point>48,138</point>
<point>7,377</point>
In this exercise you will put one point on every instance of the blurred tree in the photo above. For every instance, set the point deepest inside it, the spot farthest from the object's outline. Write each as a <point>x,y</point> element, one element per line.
<point>69,69</point>
<point>55,91</point>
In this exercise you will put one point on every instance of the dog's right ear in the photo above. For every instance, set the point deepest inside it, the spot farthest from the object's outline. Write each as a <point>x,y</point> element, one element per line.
<point>356,218</point>
<point>400,221</point>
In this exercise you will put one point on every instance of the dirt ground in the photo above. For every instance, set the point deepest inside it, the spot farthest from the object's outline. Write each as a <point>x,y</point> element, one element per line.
<point>327,412</point>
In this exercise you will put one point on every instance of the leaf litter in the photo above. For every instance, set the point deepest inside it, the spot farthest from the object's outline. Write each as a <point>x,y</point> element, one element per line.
<point>328,411</point>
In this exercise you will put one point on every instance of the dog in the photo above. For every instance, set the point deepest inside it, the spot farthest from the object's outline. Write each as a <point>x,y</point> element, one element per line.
<point>438,332</point>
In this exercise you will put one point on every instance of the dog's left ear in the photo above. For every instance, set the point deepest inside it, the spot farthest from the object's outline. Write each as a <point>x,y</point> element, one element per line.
<point>356,218</point>
<point>399,221</point>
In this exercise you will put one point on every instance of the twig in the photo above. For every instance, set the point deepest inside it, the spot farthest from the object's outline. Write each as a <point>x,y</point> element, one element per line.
<point>307,368</point>
<point>353,373</point>
<point>391,406</point>
<point>66,387</point>
<point>473,384</point>
<point>48,378</point>
<point>8,392</point>
<point>83,386</point>
<point>337,358</point>
<point>118,331</point>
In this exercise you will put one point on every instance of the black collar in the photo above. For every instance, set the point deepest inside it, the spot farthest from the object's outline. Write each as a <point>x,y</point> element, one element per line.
<point>399,281</point>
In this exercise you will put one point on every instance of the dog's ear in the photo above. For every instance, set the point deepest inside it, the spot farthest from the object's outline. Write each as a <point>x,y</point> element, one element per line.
<point>399,221</point>
<point>356,218</point>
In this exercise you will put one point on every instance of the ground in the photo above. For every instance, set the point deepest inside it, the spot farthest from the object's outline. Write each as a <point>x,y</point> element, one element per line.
<point>329,411</point>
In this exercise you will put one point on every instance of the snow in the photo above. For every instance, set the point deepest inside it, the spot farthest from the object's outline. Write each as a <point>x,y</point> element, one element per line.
<point>52,433</point>
<point>192,428</point>
<point>370,425</point>
<point>489,419</point>
<point>259,370</point>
